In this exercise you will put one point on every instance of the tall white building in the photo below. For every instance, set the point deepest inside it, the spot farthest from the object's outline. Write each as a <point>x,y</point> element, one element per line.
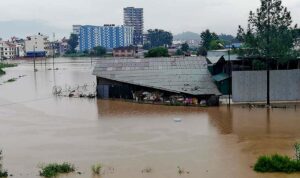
<point>37,46</point>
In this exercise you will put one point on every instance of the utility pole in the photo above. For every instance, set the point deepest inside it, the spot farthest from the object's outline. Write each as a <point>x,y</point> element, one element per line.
<point>230,75</point>
<point>34,58</point>
<point>268,55</point>
<point>92,53</point>
<point>53,50</point>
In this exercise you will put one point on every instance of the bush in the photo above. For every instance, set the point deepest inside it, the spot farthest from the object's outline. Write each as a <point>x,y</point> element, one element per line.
<point>276,163</point>
<point>201,52</point>
<point>179,52</point>
<point>258,65</point>
<point>2,72</point>
<point>5,65</point>
<point>297,151</point>
<point>3,173</point>
<point>52,170</point>
<point>96,169</point>
<point>158,52</point>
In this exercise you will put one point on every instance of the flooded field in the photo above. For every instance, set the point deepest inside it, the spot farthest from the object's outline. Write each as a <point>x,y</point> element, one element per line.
<point>37,127</point>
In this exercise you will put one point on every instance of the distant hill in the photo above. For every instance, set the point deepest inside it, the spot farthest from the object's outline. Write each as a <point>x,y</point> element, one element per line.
<point>187,36</point>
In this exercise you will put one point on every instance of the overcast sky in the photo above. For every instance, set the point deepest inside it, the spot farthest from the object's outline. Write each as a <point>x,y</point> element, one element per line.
<point>25,17</point>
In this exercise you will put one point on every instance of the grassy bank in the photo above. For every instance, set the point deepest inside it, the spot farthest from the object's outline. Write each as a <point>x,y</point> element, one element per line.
<point>279,163</point>
<point>5,65</point>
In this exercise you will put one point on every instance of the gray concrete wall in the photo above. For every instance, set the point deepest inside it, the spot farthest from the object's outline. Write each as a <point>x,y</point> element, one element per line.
<point>251,86</point>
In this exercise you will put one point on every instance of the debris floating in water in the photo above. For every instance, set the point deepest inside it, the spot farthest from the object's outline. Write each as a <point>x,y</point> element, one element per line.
<point>177,120</point>
<point>84,91</point>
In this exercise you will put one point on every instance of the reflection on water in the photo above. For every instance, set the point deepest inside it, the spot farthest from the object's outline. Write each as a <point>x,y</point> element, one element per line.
<point>37,127</point>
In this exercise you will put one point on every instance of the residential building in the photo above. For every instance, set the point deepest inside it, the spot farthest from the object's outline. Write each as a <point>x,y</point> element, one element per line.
<point>76,29</point>
<point>107,36</point>
<point>63,46</point>
<point>37,46</point>
<point>20,46</point>
<point>134,17</point>
<point>20,50</point>
<point>8,50</point>
<point>58,47</point>
<point>128,51</point>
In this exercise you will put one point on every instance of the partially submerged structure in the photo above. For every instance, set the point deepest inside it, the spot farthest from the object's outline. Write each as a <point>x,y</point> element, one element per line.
<point>220,65</point>
<point>169,80</point>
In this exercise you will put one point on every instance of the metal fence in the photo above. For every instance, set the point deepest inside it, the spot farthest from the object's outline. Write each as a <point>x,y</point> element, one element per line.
<point>251,86</point>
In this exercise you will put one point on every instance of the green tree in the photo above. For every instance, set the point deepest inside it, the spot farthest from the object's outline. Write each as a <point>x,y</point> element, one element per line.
<point>270,33</point>
<point>185,47</point>
<point>98,51</point>
<point>73,43</point>
<point>227,39</point>
<point>86,52</point>
<point>207,37</point>
<point>216,44</point>
<point>157,52</point>
<point>159,38</point>
<point>147,46</point>
<point>201,51</point>
<point>179,52</point>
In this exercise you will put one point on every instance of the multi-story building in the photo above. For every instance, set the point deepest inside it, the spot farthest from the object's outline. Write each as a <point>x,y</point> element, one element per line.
<point>37,46</point>
<point>107,36</point>
<point>76,29</point>
<point>128,51</point>
<point>7,50</point>
<point>20,46</point>
<point>134,17</point>
<point>63,46</point>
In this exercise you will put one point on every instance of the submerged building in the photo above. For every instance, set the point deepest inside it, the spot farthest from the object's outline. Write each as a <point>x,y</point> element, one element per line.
<point>107,36</point>
<point>37,45</point>
<point>164,79</point>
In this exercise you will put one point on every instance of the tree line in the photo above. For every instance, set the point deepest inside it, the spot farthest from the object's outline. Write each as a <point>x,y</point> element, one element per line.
<point>270,33</point>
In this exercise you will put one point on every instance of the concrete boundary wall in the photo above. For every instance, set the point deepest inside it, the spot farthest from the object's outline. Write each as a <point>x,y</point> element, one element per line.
<point>251,86</point>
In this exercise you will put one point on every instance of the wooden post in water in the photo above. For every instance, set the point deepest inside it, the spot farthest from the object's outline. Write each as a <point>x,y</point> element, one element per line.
<point>34,58</point>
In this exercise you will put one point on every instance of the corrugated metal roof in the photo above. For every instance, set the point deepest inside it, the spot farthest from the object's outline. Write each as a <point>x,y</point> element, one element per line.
<point>215,59</point>
<point>220,77</point>
<point>181,75</point>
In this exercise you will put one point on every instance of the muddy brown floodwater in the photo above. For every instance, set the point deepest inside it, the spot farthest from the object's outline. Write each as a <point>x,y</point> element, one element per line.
<point>37,127</point>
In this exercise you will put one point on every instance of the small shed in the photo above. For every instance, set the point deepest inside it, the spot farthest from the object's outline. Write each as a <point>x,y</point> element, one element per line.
<point>222,81</point>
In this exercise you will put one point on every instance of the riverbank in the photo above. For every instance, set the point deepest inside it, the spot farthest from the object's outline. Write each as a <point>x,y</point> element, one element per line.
<point>5,65</point>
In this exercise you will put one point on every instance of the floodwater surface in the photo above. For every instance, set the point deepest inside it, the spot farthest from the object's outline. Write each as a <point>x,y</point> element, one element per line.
<point>126,138</point>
